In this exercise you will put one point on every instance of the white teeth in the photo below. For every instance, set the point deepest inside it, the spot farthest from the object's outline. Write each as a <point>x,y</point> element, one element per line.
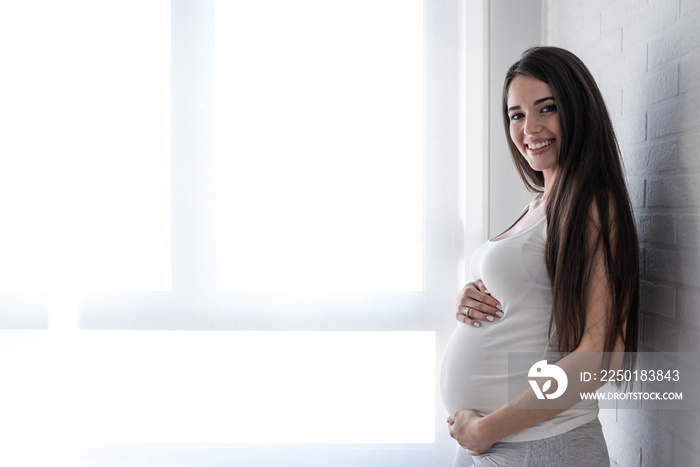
<point>540,145</point>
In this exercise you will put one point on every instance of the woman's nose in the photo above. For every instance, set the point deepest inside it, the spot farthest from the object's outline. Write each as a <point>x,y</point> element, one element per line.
<point>532,125</point>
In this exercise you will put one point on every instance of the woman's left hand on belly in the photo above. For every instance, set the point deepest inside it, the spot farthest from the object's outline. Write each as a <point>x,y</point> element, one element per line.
<point>464,427</point>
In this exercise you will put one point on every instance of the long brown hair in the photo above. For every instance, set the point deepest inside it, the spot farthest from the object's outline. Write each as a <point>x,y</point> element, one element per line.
<point>589,179</point>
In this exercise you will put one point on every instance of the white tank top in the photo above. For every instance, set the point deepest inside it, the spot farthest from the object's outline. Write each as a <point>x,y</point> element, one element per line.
<point>475,366</point>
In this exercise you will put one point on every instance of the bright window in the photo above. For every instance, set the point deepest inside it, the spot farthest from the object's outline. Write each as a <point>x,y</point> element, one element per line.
<point>85,147</point>
<point>319,148</point>
<point>231,387</point>
<point>235,209</point>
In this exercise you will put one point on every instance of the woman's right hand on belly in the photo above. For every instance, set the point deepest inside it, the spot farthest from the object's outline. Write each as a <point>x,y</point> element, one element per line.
<point>475,304</point>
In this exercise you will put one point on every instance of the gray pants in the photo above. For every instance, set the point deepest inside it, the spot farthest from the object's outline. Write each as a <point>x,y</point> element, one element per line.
<point>581,447</point>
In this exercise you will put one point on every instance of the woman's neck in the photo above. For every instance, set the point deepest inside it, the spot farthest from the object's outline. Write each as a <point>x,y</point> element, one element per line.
<point>549,177</point>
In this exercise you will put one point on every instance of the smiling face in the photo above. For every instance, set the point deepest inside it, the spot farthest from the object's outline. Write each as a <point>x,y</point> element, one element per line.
<point>534,124</point>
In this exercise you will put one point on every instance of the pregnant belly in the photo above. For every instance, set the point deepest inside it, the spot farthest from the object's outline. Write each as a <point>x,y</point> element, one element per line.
<point>474,371</point>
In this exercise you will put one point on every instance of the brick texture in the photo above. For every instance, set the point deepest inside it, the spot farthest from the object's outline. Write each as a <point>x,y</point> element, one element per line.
<point>645,55</point>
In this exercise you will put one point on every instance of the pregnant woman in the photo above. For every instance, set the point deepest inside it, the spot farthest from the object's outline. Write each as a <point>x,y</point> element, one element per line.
<point>563,278</point>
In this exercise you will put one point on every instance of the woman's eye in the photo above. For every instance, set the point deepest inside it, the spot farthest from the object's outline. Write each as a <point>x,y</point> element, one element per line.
<point>516,116</point>
<point>549,108</point>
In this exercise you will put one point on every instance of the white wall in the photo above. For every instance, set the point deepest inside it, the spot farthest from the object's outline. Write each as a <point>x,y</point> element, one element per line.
<point>645,54</point>
<point>513,27</point>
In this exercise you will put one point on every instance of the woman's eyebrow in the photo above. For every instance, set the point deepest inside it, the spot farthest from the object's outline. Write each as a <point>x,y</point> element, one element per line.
<point>537,102</point>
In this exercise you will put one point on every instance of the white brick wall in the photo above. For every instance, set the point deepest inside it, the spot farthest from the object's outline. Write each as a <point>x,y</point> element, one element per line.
<point>645,55</point>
